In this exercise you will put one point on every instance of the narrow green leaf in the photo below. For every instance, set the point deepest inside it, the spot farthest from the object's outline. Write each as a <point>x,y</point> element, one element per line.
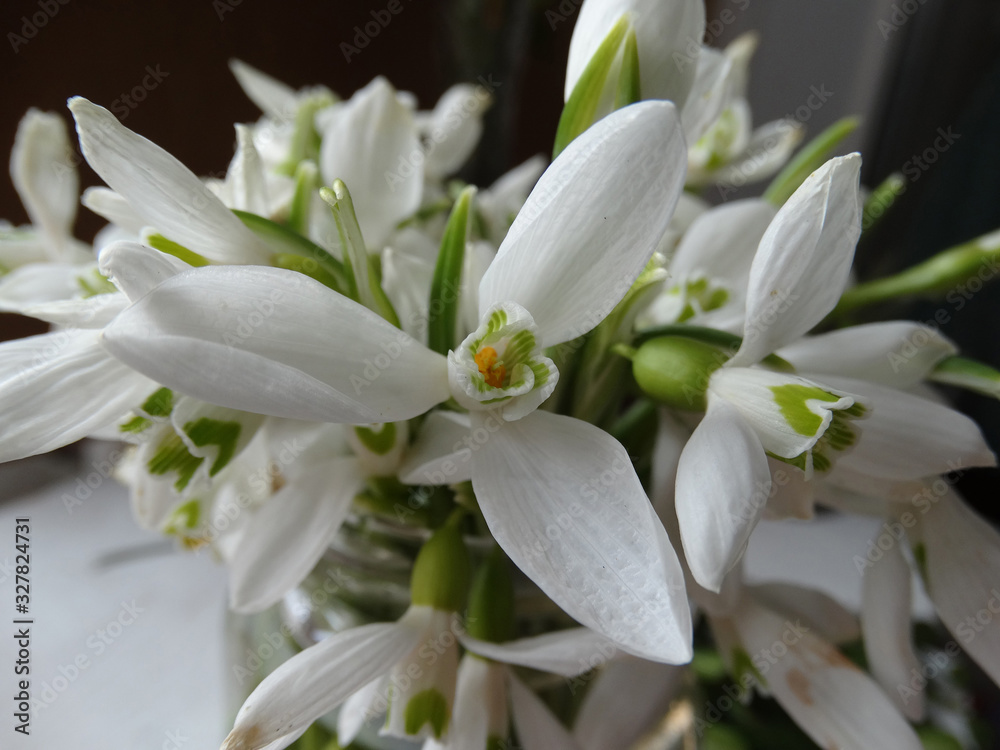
<point>447,280</point>
<point>629,91</point>
<point>581,107</point>
<point>283,241</point>
<point>161,243</point>
<point>362,275</point>
<point>809,158</point>
<point>306,183</point>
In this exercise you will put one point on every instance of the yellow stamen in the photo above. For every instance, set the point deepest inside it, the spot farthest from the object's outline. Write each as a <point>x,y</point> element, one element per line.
<point>493,372</point>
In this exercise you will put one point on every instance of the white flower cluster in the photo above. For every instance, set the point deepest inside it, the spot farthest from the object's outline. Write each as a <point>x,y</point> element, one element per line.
<point>582,368</point>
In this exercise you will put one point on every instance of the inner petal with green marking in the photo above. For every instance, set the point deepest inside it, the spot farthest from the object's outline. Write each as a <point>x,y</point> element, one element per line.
<point>800,422</point>
<point>501,365</point>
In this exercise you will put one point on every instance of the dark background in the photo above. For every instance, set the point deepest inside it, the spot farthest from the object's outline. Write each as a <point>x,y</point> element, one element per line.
<point>935,67</point>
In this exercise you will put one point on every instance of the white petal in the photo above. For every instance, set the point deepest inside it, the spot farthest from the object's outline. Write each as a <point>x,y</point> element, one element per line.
<point>824,614</point>
<point>136,269</point>
<point>721,242</point>
<point>89,312</point>
<point>161,190</point>
<point>885,620</point>
<point>835,703</point>
<point>707,97</point>
<point>668,36</point>
<point>767,150</point>
<point>289,534</point>
<point>442,452</point>
<point>536,727</point>
<point>275,99</point>
<point>899,353</point>
<point>562,499</point>
<point>370,142</point>
<point>245,179</point>
<point>106,203</point>
<point>908,437</point>
<point>276,342</point>
<point>592,222</point>
<point>454,128</point>
<point>58,387</point>
<point>357,710</point>
<point>792,495</point>
<point>38,283</point>
<point>566,652</point>
<point>318,679</point>
<point>803,261</point>
<point>627,697</point>
<point>407,283</point>
<point>504,198</point>
<point>46,179</point>
<point>723,483</point>
<point>962,553</point>
<point>480,711</point>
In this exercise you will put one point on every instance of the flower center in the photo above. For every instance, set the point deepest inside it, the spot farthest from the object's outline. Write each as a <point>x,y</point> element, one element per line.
<point>490,366</point>
<point>500,365</point>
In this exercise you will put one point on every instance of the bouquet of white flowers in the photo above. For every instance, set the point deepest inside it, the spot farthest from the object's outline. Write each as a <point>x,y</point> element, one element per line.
<point>519,435</point>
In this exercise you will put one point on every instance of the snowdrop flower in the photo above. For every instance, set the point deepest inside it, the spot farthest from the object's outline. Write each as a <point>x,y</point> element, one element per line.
<point>411,663</point>
<point>708,271</point>
<point>43,262</point>
<point>596,214</point>
<point>727,150</point>
<point>668,39</point>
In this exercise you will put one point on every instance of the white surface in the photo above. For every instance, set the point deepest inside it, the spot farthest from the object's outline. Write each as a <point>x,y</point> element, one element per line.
<point>160,682</point>
<point>821,554</point>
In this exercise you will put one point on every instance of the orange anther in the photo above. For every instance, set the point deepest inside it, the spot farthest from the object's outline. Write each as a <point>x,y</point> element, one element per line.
<point>492,371</point>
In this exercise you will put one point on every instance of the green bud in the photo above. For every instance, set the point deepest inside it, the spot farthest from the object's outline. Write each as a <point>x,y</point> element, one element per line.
<point>674,370</point>
<point>441,571</point>
<point>491,602</point>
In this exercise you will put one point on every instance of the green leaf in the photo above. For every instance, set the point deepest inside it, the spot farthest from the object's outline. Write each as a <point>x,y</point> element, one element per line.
<point>358,265</point>
<point>581,107</point>
<point>809,158</point>
<point>629,90</point>
<point>447,279</point>
<point>161,243</point>
<point>283,241</point>
<point>306,183</point>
